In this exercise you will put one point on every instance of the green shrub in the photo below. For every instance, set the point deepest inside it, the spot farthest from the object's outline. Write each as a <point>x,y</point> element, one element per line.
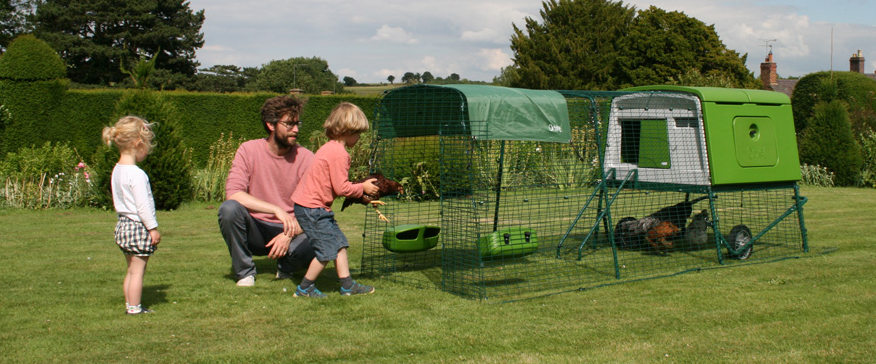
<point>868,152</point>
<point>35,161</point>
<point>31,84</point>
<point>51,176</point>
<point>30,59</point>
<point>827,141</point>
<point>208,183</point>
<point>816,176</point>
<point>169,164</point>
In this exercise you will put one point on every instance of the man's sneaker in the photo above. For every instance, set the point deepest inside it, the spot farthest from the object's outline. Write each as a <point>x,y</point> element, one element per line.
<point>283,275</point>
<point>247,281</point>
<point>309,292</point>
<point>357,289</point>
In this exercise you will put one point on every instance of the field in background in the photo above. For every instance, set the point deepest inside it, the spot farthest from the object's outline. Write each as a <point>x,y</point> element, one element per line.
<point>372,89</point>
<point>62,301</point>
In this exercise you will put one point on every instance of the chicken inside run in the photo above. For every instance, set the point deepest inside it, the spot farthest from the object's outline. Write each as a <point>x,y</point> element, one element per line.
<point>533,192</point>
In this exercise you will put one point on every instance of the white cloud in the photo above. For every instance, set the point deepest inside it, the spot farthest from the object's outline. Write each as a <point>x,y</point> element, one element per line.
<point>493,59</point>
<point>374,39</point>
<point>217,48</point>
<point>343,72</point>
<point>394,35</point>
<point>484,35</point>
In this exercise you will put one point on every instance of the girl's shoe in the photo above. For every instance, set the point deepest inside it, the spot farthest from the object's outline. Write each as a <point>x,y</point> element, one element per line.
<point>142,310</point>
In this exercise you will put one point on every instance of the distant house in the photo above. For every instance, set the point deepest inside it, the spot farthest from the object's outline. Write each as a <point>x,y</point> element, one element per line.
<point>769,77</point>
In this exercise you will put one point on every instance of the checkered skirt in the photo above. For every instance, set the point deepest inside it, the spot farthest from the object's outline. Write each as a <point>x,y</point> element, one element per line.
<point>133,238</point>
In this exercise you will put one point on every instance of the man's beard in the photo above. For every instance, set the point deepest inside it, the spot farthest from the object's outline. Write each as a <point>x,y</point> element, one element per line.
<point>282,142</point>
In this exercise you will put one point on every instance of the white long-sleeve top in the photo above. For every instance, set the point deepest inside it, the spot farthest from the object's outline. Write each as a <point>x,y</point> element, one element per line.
<point>132,195</point>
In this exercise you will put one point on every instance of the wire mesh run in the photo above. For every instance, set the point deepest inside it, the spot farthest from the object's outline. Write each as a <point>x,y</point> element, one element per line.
<point>628,197</point>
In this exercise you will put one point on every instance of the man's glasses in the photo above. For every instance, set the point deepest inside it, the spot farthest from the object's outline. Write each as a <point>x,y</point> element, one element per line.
<point>289,124</point>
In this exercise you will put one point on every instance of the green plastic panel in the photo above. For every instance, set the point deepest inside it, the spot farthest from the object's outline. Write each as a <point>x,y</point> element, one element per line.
<point>654,145</point>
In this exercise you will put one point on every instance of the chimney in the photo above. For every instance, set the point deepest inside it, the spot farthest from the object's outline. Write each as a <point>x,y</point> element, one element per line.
<point>856,63</point>
<point>768,74</point>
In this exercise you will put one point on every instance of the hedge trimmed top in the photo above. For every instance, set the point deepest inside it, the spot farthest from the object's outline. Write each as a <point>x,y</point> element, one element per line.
<point>30,59</point>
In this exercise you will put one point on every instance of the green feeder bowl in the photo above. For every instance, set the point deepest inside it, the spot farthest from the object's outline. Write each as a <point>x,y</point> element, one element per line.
<point>508,242</point>
<point>410,238</point>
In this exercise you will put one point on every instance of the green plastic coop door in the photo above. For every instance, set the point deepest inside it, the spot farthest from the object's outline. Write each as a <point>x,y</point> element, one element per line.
<point>755,140</point>
<point>645,143</point>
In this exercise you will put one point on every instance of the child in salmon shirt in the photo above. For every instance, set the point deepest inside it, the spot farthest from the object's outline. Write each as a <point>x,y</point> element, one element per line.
<point>326,179</point>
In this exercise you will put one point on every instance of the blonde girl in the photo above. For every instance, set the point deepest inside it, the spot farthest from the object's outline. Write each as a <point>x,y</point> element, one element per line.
<point>136,232</point>
<point>325,180</point>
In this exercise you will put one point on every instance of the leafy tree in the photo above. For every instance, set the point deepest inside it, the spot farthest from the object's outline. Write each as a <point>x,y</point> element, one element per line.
<point>427,77</point>
<point>309,74</point>
<point>410,78</point>
<point>140,72</point>
<point>454,77</point>
<point>507,76</point>
<point>661,45</point>
<point>693,77</point>
<point>349,81</point>
<point>390,79</point>
<point>97,37</point>
<point>605,45</point>
<point>15,19</point>
<point>575,48</point>
<point>222,78</point>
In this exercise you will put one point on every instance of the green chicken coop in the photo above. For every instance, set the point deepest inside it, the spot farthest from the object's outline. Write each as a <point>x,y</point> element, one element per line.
<point>511,193</point>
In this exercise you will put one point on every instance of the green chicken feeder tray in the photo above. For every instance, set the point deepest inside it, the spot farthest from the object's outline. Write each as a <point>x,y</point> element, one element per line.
<point>411,238</point>
<point>508,242</point>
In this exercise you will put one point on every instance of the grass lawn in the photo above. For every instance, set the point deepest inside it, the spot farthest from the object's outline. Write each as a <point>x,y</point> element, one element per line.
<point>62,302</point>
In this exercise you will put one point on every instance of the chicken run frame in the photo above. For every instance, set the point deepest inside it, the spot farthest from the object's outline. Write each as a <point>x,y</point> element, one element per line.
<point>513,193</point>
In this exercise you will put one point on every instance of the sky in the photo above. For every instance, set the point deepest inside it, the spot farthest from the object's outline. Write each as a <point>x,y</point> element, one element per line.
<point>370,40</point>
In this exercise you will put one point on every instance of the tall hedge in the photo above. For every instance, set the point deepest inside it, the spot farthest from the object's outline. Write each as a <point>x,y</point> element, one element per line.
<point>30,59</point>
<point>31,83</point>
<point>855,89</point>
<point>828,141</point>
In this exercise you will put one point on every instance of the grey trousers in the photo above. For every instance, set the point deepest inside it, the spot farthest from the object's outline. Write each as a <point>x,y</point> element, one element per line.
<point>246,237</point>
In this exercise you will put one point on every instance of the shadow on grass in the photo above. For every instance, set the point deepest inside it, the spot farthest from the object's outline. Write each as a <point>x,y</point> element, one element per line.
<point>154,294</point>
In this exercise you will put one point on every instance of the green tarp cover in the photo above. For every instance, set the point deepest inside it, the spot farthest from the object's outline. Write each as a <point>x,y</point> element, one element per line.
<point>485,112</point>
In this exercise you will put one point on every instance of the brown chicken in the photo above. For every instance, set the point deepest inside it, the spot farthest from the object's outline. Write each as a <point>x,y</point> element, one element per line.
<point>385,187</point>
<point>661,236</point>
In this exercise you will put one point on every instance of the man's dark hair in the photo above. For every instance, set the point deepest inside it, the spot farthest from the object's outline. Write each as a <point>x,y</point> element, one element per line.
<point>277,107</point>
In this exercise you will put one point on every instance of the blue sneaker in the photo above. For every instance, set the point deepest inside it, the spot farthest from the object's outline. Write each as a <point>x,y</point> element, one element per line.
<point>309,292</point>
<point>357,289</point>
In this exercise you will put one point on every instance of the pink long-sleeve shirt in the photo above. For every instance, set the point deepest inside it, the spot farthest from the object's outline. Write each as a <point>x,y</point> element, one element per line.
<point>266,176</point>
<point>327,178</point>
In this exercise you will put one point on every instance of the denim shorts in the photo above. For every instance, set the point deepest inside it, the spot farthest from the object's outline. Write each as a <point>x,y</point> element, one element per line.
<point>322,229</point>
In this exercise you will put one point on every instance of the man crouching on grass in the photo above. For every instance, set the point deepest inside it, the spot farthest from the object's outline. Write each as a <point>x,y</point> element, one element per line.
<point>257,216</point>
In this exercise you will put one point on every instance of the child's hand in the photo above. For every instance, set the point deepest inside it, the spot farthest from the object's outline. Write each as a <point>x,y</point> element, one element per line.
<point>155,235</point>
<point>369,187</point>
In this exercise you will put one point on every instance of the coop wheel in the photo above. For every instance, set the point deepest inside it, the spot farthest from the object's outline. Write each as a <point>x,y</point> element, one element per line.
<point>623,237</point>
<point>739,236</point>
